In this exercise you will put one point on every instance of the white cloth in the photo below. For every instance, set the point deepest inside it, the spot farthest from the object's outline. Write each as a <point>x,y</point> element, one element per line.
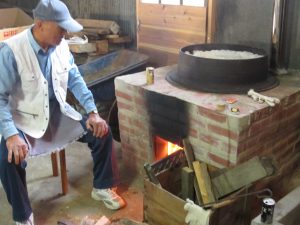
<point>196,215</point>
<point>61,131</point>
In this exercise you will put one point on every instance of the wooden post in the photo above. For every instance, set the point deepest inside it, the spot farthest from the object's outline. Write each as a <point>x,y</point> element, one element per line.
<point>210,21</point>
<point>63,172</point>
<point>189,154</point>
<point>54,164</point>
<point>187,183</point>
<point>204,182</point>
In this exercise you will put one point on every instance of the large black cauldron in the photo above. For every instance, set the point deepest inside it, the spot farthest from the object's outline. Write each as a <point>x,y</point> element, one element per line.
<point>222,75</point>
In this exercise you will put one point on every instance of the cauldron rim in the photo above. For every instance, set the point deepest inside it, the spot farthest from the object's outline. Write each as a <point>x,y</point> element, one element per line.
<point>267,84</point>
<point>197,73</point>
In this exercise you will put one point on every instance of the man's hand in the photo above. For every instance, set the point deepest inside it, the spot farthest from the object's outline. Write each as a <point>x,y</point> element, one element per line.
<point>17,147</point>
<point>97,125</point>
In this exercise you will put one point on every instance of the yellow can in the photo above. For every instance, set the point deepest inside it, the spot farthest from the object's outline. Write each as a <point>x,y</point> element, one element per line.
<point>150,75</point>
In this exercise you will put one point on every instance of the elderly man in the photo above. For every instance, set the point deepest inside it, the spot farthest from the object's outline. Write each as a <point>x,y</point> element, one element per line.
<point>36,68</point>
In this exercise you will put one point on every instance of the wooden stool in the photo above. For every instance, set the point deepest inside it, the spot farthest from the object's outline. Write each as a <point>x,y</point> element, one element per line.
<point>63,169</point>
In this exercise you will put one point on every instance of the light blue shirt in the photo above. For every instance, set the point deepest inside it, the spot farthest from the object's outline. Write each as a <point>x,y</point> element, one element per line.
<point>9,76</point>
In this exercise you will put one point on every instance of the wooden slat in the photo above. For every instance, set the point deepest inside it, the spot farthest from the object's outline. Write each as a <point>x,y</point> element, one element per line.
<point>189,154</point>
<point>178,17</point>
<point>239,176</point>
<point>204,182</point>
<point>83,48</point>
<point>158,57</point>
<point>164,29</point>
<point>100,24</point>
<point>175,39</point>
<point>187,183</point>
<point>161,207</point>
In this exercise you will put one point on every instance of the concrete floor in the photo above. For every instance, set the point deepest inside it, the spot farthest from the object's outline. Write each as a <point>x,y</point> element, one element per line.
<point>49,204</point>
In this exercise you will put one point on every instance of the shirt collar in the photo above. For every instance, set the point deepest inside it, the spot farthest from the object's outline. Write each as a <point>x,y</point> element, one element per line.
<point>36,47</point>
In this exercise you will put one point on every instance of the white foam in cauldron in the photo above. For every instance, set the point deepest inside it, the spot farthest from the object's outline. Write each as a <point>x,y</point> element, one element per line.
<point>224,54</point>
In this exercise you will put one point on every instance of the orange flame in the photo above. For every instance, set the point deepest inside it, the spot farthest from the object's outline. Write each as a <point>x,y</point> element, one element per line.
<point>173,148</point>
<point>164,148</point>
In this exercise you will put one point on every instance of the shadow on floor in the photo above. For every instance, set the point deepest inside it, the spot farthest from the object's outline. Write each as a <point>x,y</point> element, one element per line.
<point>49,205</point>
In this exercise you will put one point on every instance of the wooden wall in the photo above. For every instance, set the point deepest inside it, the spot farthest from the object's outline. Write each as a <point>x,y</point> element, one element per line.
<point>164,29</point>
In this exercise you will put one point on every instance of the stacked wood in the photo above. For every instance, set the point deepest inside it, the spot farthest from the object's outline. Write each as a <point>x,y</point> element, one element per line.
<point>99,26</point>
<point>224,191</point>
<point>101,35</point>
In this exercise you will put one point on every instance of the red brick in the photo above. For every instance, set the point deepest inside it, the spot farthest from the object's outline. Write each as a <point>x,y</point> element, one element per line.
<point>209,140</point>
<point>258,126</point>
<point>250,153</point>
<point>139,124</point>
<point>291,99</point>
<point>212,115</point>
<point>122,105</point>
<point>241,147</point>
<point>124,128</point>
<point>278,116</point>
<point>139,101</point>
<point>293,138</point>
<point>218,160</point>
<point>261,114</point>
<point>193,133</point>
<point>123,95</point>
<point>197,122</point>
<point>223,132</point>
<point>280,145</point>
<point>293,109</point>
<point>122,117</point>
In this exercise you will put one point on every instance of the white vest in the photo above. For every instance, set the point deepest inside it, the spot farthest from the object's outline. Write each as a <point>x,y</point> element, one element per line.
<point>29,101</point>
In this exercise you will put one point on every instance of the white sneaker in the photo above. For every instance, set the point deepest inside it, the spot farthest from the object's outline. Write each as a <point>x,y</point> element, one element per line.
<point>109,197</point>
<point>29,221</point>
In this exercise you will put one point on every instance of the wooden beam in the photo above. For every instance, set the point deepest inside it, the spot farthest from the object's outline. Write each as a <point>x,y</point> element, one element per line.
<point>204,182</point>
<point>187,183</point>
<point>240,176</point>
<point>189,154</point>
<point>211,21</point>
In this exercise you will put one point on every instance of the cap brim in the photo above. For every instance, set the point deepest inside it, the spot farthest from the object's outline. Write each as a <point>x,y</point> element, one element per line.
<point>221,87</point>
<point>71,25</point>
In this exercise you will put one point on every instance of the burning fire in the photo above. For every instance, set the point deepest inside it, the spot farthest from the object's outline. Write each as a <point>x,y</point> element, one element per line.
<point>164,148</point>
<point>171,147</point>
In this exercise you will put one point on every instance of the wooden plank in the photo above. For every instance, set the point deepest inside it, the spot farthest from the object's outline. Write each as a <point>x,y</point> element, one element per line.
<point>204,182</point>
<point>101,31</point>
<point>161,207</point>
<point>241,175</point>
<point>157,57</point>
<point>102,46</point>
<point>83,48</point>
<point>189,154</point>
<point>119,40</point>
<point>187,183</point>
<point>164,29</point>
<point>172,38</point>
<point>160,48</point>
<point>100,24</point>
<point>178,17</point>
<point>211,21</point>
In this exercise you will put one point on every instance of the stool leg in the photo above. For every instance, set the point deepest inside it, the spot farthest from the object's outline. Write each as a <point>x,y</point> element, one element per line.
<point>54,164</point>
<point>63,171</point>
